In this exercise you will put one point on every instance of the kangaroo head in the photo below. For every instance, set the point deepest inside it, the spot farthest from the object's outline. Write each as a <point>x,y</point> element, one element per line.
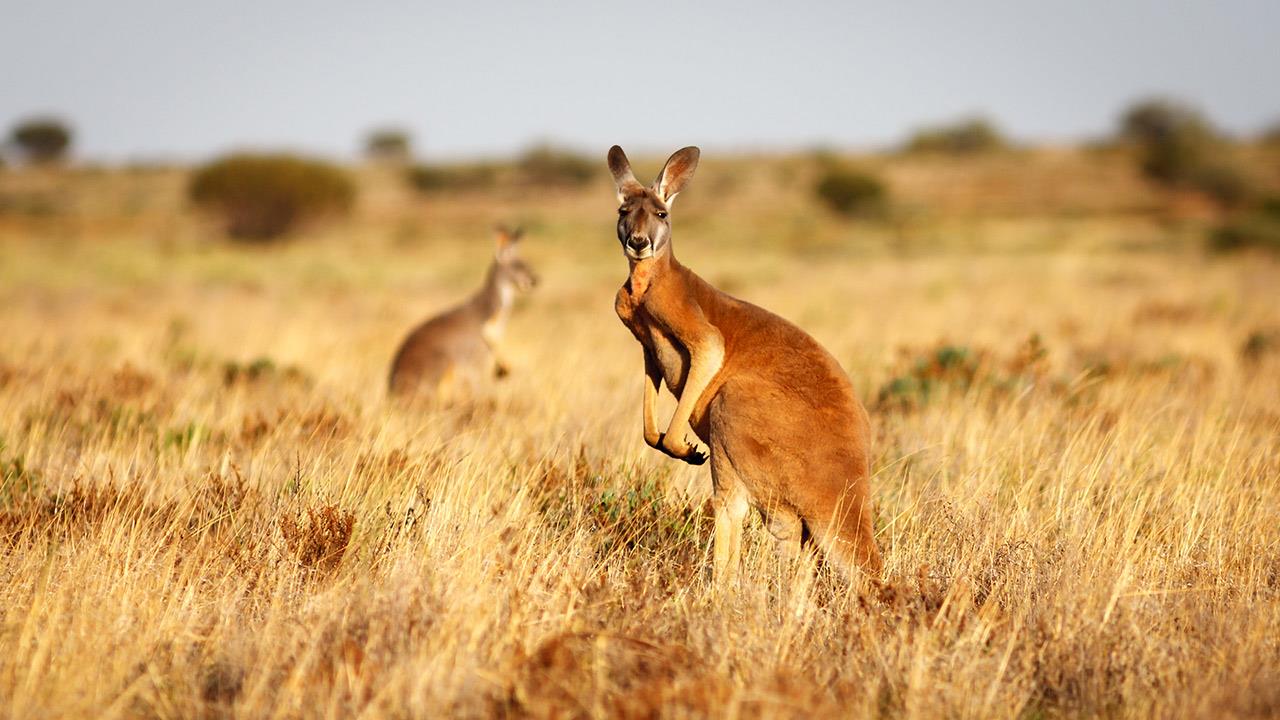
<point>509,269</point>
<point>643,226</point>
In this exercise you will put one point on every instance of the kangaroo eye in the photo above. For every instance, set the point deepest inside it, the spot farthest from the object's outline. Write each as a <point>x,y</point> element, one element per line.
<point>662,214</point>
<point>622,210</point>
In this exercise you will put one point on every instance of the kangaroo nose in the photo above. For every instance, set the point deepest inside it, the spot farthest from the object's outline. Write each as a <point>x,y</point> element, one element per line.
<point>638,242</point>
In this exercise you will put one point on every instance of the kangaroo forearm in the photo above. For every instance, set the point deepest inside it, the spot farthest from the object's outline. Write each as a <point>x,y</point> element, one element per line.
<point>651,432</point>
<point>703,366</point>
<point>652,383</point>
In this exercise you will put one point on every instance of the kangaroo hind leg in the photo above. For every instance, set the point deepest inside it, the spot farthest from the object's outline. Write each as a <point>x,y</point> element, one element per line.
<point>731,501</point>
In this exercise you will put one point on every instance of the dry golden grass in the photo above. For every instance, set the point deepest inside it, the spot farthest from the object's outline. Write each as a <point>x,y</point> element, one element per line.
<point>209,509</point>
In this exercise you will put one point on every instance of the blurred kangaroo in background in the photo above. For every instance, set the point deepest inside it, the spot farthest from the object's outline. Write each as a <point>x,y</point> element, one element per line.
<point>781,424</point>
<point>454,351</point>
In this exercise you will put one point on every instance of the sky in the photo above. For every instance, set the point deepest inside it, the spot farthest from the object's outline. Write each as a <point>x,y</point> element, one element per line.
<point>151,80</point>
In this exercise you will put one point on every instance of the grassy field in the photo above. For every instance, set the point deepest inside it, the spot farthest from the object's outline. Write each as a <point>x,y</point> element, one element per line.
<point>210,509</point>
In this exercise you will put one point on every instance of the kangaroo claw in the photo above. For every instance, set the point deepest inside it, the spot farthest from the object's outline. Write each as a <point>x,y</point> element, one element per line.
<point>692,453</point>
<point>696,456</point>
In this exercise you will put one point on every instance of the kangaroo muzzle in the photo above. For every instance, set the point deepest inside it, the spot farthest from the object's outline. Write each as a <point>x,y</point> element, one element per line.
<point>638,246</point>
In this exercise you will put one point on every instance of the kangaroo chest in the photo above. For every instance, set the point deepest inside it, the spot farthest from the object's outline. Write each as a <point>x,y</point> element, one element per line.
<point>493,328</point>
<point>671,355</point>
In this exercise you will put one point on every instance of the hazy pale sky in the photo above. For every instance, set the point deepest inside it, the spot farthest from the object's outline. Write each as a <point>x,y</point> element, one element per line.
<point>171,79</point>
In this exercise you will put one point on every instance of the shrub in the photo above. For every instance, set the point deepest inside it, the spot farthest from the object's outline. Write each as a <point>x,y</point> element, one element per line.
<point>1271,135</point>
<point>42,140</point>
<point>262,369</point>
<point>1161,120</point>
<point>1223,182</point>
<point>388,145</point>
<point>263,197</point>
<point>1259,344</point>
<point>550,166</point>
<point>1178,148</point>
<point>1257,229</point>
<point>1173,139</point>
<point>431,178</point>
<point>637,520</point>
<point>943,367</point>
<point>852,193</point>
<point>975,135</point>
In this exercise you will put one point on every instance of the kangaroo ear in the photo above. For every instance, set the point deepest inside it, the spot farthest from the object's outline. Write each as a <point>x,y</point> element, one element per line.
<point>623,178</point>
<point>676,173</point>
<point>504,238</point>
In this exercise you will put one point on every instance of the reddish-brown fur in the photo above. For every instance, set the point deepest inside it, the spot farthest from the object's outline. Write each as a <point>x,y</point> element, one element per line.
<point>783,428</point>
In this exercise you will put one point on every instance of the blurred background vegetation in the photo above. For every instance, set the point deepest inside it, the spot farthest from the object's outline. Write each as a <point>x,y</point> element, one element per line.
<point>1165,164</point>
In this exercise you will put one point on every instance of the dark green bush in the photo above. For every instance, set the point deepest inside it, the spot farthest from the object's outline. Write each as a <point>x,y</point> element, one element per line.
<point>1178,148</point>
<point>975,135</point>
<point>41,140</point>
<point>853,193</point>
<point>1259,344</point>
<point>943,367</point>
<point>1223,182</point>
<point>433,178</point>
<point>1160,120</point>
<point>1259,228</point>
<point>553,167</point>
<point>1174,140</point>
<point>947,368</point>
<point>264,197</point>
<point>637,520</point>
<point>389,145</point>
<point>262,370</point>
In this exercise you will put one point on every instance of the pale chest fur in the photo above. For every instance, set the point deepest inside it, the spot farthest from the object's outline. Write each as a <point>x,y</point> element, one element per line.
<point>493,329</point>
<point>495,325</point>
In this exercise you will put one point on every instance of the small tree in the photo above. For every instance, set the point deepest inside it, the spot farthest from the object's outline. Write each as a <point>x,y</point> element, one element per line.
<point>852,193</point>
<point>42,140</point>
<point>974,135</point>
<point>390,145</point>
<point>1173,139</point>
<point>1178,148</point>
<point>263,197</point>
